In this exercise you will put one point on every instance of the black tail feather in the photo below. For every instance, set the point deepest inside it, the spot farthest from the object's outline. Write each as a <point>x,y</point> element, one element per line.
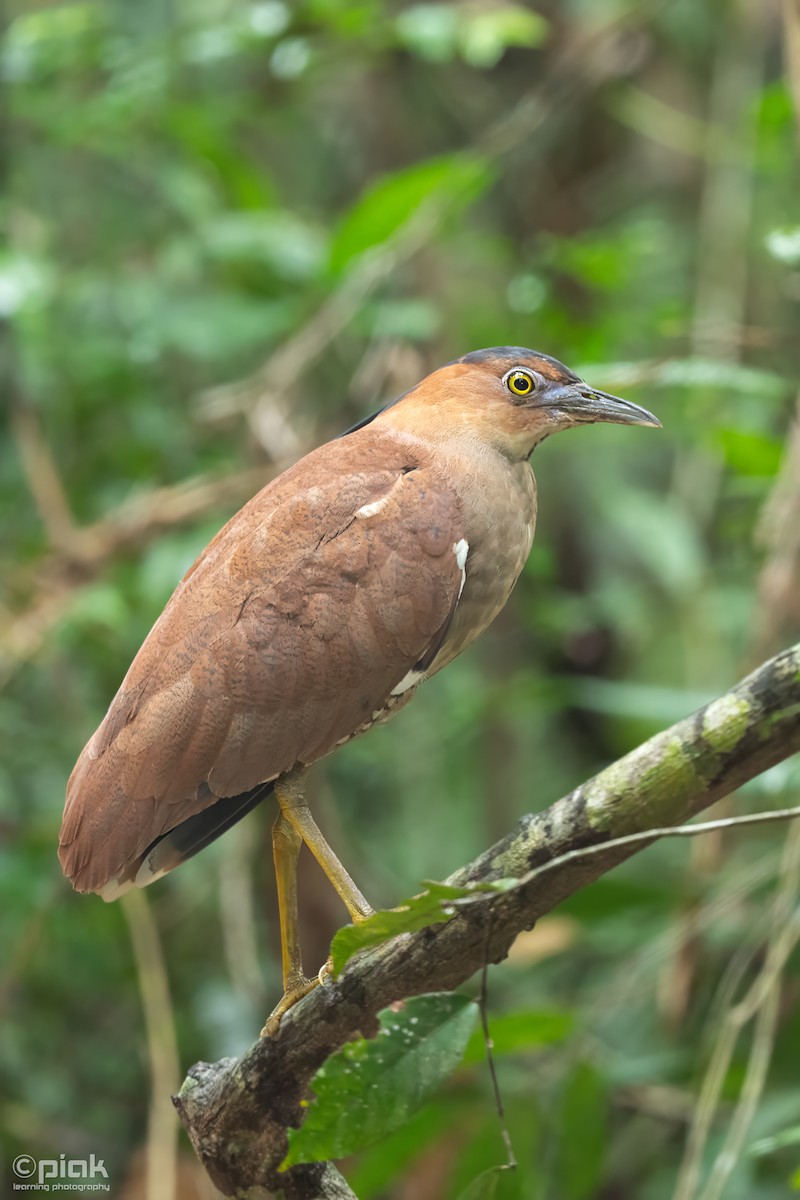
<point>194,834</point>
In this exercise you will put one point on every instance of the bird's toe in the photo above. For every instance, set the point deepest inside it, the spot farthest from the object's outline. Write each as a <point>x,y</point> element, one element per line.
<point>295,991</point>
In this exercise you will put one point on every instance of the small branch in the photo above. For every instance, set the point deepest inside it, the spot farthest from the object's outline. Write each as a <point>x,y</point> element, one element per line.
<point>162,1049</point>
<point>43,479</point>
<point>237,1112</point>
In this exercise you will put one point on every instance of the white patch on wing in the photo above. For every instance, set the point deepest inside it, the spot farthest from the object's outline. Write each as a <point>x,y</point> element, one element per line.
<point>371,510</point>
<point>461,550</point>
<point>408,681</point>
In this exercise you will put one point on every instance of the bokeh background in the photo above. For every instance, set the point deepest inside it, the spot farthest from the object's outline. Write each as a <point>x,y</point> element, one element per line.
<point>233,228</point>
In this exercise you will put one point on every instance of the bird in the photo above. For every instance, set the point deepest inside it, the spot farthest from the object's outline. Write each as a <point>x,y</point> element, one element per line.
<point>316,612</point>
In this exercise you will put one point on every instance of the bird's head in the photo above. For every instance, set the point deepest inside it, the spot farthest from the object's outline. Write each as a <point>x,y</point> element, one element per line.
<point>510,397</point>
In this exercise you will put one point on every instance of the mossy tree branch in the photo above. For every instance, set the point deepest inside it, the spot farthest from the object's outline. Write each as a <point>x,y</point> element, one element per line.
<point>237,1111</point>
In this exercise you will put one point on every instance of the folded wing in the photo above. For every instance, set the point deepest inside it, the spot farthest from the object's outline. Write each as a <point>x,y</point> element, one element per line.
<point>285,638</point>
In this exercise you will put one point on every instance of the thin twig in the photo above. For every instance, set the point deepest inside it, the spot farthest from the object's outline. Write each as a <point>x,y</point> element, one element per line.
<point>645,835</point>
<point>483,1008</point>
<point>162,1050</point>
<point>238,918</point>
<point>54,582</point>
<point>42,477</point>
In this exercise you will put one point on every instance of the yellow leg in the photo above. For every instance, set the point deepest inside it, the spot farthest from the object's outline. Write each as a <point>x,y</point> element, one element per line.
<point>293,826</point>
<point>286,843</point>
<point>291,796</point>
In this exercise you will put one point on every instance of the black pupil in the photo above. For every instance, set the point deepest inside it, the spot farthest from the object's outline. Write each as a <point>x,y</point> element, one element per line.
<point>522,383</point>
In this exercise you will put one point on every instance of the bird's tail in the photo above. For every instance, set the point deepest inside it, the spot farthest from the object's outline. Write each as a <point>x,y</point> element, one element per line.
<point>186,840</point>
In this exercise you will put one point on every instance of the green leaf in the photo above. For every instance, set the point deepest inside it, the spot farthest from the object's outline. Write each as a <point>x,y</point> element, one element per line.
<point>523,1030</point>
<point>431,907</point>
<point>485,1186</point>
<point>371,1087</point>
<point>389,202</point>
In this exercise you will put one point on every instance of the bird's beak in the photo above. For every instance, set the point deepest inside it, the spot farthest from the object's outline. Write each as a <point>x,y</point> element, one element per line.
<point>584,404</point>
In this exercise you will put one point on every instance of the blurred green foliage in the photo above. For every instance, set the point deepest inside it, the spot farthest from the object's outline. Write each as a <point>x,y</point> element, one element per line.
<point>191,186</point>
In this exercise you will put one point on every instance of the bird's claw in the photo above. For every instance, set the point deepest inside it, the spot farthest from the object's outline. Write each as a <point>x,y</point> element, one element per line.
<point>295,991</point>
<point>325,976</point>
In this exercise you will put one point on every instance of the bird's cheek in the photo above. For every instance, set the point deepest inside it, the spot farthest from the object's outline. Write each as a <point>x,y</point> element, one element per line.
<point>558,419</point>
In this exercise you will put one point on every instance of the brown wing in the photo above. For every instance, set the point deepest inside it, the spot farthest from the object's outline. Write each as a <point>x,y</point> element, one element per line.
<point>287,634</point>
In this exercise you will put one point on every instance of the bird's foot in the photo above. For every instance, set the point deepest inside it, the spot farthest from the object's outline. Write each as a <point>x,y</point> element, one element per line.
<point>295,991</point>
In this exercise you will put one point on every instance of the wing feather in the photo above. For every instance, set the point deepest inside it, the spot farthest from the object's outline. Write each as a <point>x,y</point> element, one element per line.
<point>280,642</point>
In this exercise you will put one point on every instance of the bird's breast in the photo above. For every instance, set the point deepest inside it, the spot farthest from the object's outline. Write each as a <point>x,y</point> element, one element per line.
<point>499,510</point>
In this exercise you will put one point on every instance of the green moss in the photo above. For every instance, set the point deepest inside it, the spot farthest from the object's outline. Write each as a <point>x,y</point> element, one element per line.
<point>726,721</point>
<point>767,725</point>
<point>669,782</point>
<point>661,780</point>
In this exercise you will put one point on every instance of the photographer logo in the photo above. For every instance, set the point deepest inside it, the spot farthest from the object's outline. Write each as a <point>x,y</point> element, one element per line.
<point>60,1174</point>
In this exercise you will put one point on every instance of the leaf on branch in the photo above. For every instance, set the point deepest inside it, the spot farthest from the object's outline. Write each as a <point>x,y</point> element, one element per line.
<point>372,1086</point>
<point>436,904</point>
<point>441,902</point>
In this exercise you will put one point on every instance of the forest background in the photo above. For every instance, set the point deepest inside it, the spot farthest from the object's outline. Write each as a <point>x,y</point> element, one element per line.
<point>234,228</point>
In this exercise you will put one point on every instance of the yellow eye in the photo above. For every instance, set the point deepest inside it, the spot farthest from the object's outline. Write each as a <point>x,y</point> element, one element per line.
<point>520,383</point>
